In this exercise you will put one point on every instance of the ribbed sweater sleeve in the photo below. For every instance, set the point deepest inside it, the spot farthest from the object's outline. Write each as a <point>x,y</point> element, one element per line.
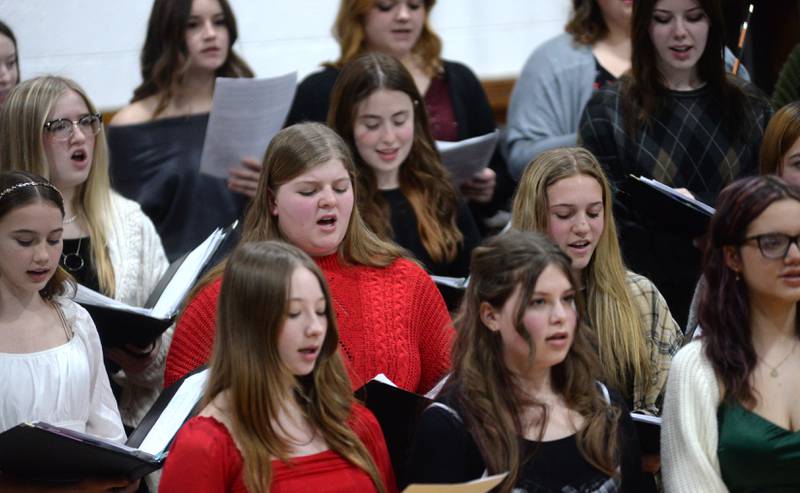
<point>194,334</point>
<point>689,433</point>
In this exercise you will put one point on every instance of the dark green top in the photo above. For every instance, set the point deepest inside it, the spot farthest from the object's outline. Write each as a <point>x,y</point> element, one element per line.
<point>756,455</point>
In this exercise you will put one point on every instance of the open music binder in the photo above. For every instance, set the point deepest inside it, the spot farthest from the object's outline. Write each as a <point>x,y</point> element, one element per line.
<point>119,324</point>
<point>671,210</point>
<point>40,451</point>
<point>648,429</point>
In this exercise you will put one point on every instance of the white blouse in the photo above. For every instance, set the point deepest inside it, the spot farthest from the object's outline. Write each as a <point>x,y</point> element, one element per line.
<point>65,386</point>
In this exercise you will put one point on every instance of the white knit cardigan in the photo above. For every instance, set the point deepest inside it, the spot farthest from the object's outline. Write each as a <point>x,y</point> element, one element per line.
<point>689,430</point>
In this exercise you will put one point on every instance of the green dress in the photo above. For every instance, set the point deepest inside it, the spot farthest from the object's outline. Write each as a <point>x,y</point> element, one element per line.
<point>756,455</point>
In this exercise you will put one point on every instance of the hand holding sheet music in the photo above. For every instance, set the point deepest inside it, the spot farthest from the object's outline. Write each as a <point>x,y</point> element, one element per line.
<point>465,158</point>
<point>245,115</point>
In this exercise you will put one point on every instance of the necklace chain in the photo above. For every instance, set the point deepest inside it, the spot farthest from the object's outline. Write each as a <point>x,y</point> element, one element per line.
<point>774,369</point>
<point>73,261</point>
<point>71,219</point>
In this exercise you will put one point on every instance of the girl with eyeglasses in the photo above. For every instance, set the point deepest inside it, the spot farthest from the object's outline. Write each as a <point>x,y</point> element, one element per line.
<point>156,142</point>
<point>51,361</point>
<point>49,126</point>
<point>731,410</point>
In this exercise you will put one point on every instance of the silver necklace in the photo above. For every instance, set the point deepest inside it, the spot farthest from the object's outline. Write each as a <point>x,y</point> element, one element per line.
<point>73,261</point>
<point>71,219</point>
<point>774,372</point>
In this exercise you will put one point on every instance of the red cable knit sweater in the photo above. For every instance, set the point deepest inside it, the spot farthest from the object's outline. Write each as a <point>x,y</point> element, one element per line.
<point>391,320</point>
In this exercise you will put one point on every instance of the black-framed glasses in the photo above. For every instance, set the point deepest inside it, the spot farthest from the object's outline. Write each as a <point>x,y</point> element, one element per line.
<point>63,128</point>
<point>774,245</point>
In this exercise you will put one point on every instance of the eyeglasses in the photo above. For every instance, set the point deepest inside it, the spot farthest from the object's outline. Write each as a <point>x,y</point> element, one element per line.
<point>63,128</point>
<point>774,245</point>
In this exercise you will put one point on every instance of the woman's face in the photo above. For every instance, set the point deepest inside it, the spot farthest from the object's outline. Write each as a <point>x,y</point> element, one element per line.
<point>303,332</point>
<point>207,37</point>
<point>575,219</point>
<point>9,73</point>
<point>616,12</point>
<point>384,133</point>
<point>30,247</point>
<point>393,26</point>
<point>70,160</point>
<point>313,210</point>
<point>790,164</point>
<point>770,280</point>
<point>549,321</point>
<point>679,31</point>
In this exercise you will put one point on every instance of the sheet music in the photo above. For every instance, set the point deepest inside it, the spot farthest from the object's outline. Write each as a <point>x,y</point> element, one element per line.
<point>466,157</point>
<point>175,414</point>
<point>453,282</point>
<point>674,193</point>
<point>92,297</point>
<point>245,115</point>
<point>481,485</point>
<point>186,275</point>
<point>646,418</point>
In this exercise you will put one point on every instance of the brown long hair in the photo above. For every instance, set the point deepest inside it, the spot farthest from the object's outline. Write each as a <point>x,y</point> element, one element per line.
<point>15,194</point>
<point>487,394</point>
<point>246,365</point>
<point>423,179</point>
<point>6,31</point>
<point>612,313</point>
<point>586,23</point>
<point>782,132</point>
<point>724,311</point>
<point>644,93</point>
<point>22,120</point>
<point>293,151</point>
<point>349,33</point>
<point>164,51</point>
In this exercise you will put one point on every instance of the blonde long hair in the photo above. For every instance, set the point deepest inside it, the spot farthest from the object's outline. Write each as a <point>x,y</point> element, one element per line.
<point>610,308</point>
<point>350,34</point>
<point>22,122</point>
<point>246,365</point>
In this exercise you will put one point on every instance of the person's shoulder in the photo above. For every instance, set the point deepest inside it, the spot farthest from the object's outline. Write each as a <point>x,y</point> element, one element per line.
<point>562,50</point>
<point>74,314</point>
<point>124,207</point>
<point>204,436</point>
<point>458,69</point>
<point>137,112</point>
<point>691,359</point>
<point>753,93</point>
<point>639,284</point>
<point>325,76</point>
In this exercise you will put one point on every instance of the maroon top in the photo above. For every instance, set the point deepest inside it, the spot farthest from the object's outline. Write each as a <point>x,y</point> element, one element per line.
<point>440,110</point>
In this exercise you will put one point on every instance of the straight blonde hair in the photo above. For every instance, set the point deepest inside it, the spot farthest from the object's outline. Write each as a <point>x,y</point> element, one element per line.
<point>22,122</point>
<point>610,309</point>
<point>245,364</point>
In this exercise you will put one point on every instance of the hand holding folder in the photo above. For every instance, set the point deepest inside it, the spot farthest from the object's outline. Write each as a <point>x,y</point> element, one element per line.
<point>669,208</point>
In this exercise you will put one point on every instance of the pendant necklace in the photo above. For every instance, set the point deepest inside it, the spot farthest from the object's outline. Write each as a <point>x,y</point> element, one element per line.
<point>73,261</point>
<point>774,369</point>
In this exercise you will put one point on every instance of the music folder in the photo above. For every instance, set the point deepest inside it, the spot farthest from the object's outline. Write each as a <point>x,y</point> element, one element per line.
<point>671,210</point>
<point>648,429</point>
<point>119,323</point>
<point>43,452</point>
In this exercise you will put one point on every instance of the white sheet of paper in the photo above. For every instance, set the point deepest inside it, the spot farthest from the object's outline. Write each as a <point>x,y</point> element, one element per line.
<point>92,297</point>
<point>481,485</point>
<point>175,413</point>
<point>466,157</point>
<point>245,115</point>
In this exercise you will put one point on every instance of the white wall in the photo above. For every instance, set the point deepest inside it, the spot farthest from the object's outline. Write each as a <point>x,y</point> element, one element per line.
<point>97,42</point>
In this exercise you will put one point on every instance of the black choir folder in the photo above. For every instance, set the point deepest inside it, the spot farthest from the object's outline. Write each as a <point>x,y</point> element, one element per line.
<point>40,451</point>
<point>671,210</point>
<point>119,324</point>
<point>648,429</point>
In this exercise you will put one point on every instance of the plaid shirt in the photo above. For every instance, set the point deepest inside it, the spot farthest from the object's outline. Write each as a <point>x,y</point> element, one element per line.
<point>664,337</point>
<point>686,145</point>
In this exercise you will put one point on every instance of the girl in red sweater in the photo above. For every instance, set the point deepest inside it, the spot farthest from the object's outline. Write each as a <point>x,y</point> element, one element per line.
<point>277,414</point>
<point>392,318</point>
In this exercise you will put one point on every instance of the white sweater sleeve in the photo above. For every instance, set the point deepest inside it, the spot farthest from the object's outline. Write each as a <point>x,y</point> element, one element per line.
<point>689,433</point>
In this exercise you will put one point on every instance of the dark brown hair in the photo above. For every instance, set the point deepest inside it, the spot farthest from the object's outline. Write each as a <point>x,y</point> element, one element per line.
<point>643,90</point>
<point>164,50</point>
<point>782,132</point>
<point>485,391</point>
<point>724,311</point>
<point>42,191</point>
<point>6,31</point>
<point>423,179</point>
<point>586,23</point>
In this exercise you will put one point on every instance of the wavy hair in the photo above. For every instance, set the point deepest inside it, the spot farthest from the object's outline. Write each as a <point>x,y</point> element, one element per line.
<point>487,393</point>
<point>350,34</point>
<point>164,54</point>
<point>423,178</point>
<point>586,23</point>
<point>724,310</point>
<point>782,131</point>
<point>611,311</point>
<point>22,147</point>
<point>42,192</point>
<point>643,90</point>
<point>246,365</point>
